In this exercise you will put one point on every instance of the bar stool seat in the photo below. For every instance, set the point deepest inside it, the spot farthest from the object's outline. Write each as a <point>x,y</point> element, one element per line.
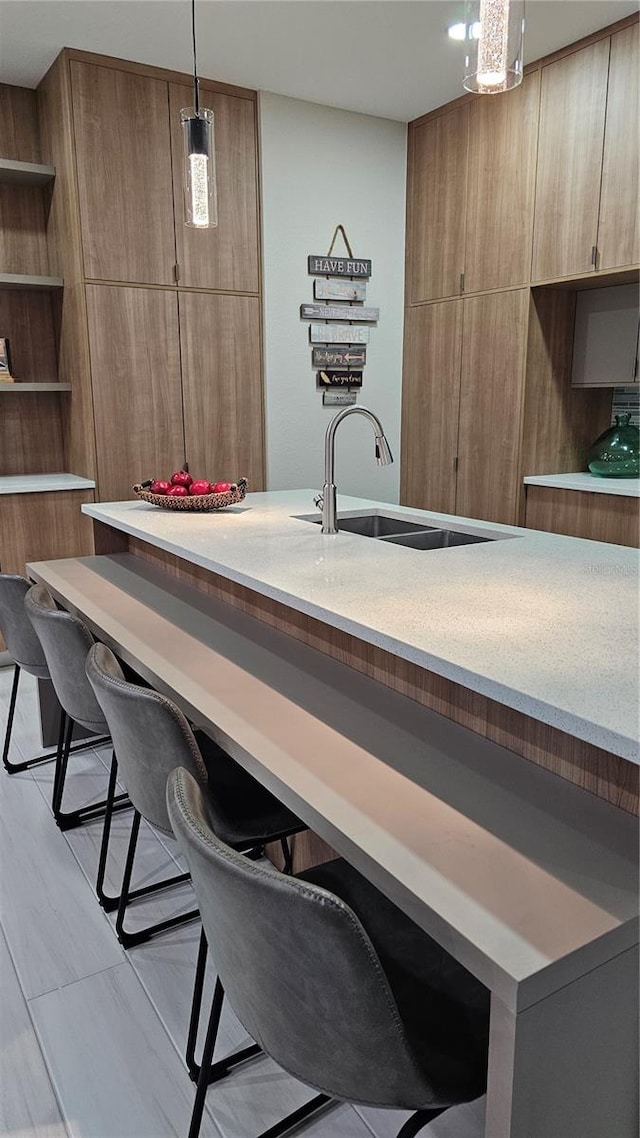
<point>151,738</point>
<point>335,983</point>
<point>27,655</point>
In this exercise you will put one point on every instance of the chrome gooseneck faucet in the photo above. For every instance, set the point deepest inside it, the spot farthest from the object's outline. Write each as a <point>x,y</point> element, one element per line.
<point>327,500</point>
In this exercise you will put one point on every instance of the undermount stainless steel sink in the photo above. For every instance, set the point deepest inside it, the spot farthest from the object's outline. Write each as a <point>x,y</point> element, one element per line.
<point>435,539</point>
<point>413,535</point>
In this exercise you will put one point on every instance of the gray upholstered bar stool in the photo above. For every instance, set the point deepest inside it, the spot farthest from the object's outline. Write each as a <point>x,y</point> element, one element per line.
<point>27,655</point>
<point>335,983</point>
<point>65,642</point>
<point>151,738</point>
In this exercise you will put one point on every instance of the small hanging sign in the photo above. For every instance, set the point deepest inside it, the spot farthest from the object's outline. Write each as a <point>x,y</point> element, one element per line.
<point>320,266</point>
<point>338,334</point>
<point>338,398</point>
<point>339,290</point>
<point>338,357</point>
<point>340,378</point>
<point>337,312</point>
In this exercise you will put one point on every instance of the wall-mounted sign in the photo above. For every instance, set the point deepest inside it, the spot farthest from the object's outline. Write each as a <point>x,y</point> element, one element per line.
<point>339,357</point>
<point>338,312</point>
<point>324,266</point>
<point>338,334</point>
<point>339,290</point>
<point>338,398</point>
<point>340,378</point>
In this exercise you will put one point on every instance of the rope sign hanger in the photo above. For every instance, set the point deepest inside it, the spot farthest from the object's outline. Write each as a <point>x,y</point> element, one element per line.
<point>340,229</point>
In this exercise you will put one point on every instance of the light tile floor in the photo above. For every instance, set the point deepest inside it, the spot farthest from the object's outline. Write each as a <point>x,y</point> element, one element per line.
<point>92,1038</point>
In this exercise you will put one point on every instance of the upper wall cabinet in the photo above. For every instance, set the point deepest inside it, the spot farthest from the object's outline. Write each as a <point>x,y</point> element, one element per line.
<point>437,188</point>
<point>500,187</point>
<point>619,228</point>
<point>227,257</point>
<point>123,152</point>
<point>571,138</point>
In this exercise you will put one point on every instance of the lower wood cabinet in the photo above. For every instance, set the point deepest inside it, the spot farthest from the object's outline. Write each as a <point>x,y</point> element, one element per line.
<point>136,382</point>
<point>462,405</point>
<point>491,389</point>
<point>175,375</point>
<point>430,405</point>
<point>222,386</point>
<point>598,517</point>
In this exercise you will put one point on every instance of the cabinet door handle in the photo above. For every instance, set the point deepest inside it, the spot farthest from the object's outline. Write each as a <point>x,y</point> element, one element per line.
<point>461,282</point>
<point>594,256</point>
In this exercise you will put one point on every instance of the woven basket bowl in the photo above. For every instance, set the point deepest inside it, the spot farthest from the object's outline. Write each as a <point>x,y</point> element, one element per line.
<point>196,503</point>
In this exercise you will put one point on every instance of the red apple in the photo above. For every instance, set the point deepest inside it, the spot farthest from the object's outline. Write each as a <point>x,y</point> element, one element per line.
<point>159,486</point>
<point>177,492</point>
<point>221,487</point>
<point>181,478</point>
<point>200,486</point>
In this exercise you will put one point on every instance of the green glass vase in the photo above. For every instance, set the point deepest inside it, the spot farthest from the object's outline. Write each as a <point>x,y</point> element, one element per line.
<point>615,453</point>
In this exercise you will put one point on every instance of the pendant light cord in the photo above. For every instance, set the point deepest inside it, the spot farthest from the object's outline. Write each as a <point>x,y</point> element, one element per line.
<point>195,65</point>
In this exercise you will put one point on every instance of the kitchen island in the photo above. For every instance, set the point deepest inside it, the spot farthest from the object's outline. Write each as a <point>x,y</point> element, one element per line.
<point>528,639</point>
<point>525,878</point>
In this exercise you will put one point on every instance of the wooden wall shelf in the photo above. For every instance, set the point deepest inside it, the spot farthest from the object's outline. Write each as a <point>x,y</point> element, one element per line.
<point>26,388</point>
<point>25,173</point>
<point>23,280</point>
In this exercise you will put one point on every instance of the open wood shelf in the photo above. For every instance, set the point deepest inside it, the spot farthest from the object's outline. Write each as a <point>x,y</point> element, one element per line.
<point>22,280</point>
<point>25,173</point>
<point>24,388</point>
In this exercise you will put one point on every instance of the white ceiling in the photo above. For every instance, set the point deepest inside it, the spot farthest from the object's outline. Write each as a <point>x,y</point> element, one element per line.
<point>381,57</point>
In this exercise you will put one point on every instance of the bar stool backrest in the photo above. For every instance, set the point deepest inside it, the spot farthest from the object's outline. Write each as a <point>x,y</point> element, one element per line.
<point>151,736</point>
<point>22,642</point>
<point>299,969</point>
<point>65,641</point>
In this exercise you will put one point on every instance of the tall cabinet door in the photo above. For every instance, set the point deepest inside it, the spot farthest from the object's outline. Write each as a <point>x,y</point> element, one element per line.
<point>123,150</point>
<point>500,188</point>
<point>436,195</point>
<point>137,397</point>
<point>430,405</point>
<point>226,257</point>
<point>619,228</point>
<point>572,112</point>
<point>222,385</point>
<point>491,389</point>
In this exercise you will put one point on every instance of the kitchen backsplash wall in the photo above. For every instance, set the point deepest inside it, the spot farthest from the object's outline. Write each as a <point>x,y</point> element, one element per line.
<point>627,399</point>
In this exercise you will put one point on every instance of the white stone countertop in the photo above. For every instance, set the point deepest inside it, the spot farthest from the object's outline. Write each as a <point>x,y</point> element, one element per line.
<point>626,487</point>
<point>40,483</point>
<point>542,623</point>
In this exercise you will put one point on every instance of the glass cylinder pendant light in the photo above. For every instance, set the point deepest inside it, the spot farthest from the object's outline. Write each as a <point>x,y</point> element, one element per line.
<point>494,39</point>
<point>200,190</point>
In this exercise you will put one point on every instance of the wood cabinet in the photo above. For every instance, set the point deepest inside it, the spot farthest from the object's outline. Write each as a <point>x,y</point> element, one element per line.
<point>43,527</point>
<point>437,194</point>
<point>500,187</point>
<point>137,392</point>
<point>430,405</point>
<point>226,257</point>
<point>123,157</point>
<point>491,389</point>
<point>619,225</point>
<point>598,517</point>
<point>571,137</point>
<point>222,385</point>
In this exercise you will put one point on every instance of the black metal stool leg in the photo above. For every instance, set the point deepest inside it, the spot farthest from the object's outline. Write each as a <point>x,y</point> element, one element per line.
<point>217,1070</point>
<point>288,859</point>
<point>11,767</point>
<point>129,939</point>
<point>68,820</point>
<point>108,903</point>
<point>207,1056</point>
<point>415,1124</point>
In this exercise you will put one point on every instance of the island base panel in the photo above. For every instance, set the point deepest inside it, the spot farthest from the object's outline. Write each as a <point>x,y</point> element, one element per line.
<point>608,776</point>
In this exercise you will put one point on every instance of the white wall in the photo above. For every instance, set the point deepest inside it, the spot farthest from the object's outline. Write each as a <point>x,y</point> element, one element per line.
<point>321,166</point>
